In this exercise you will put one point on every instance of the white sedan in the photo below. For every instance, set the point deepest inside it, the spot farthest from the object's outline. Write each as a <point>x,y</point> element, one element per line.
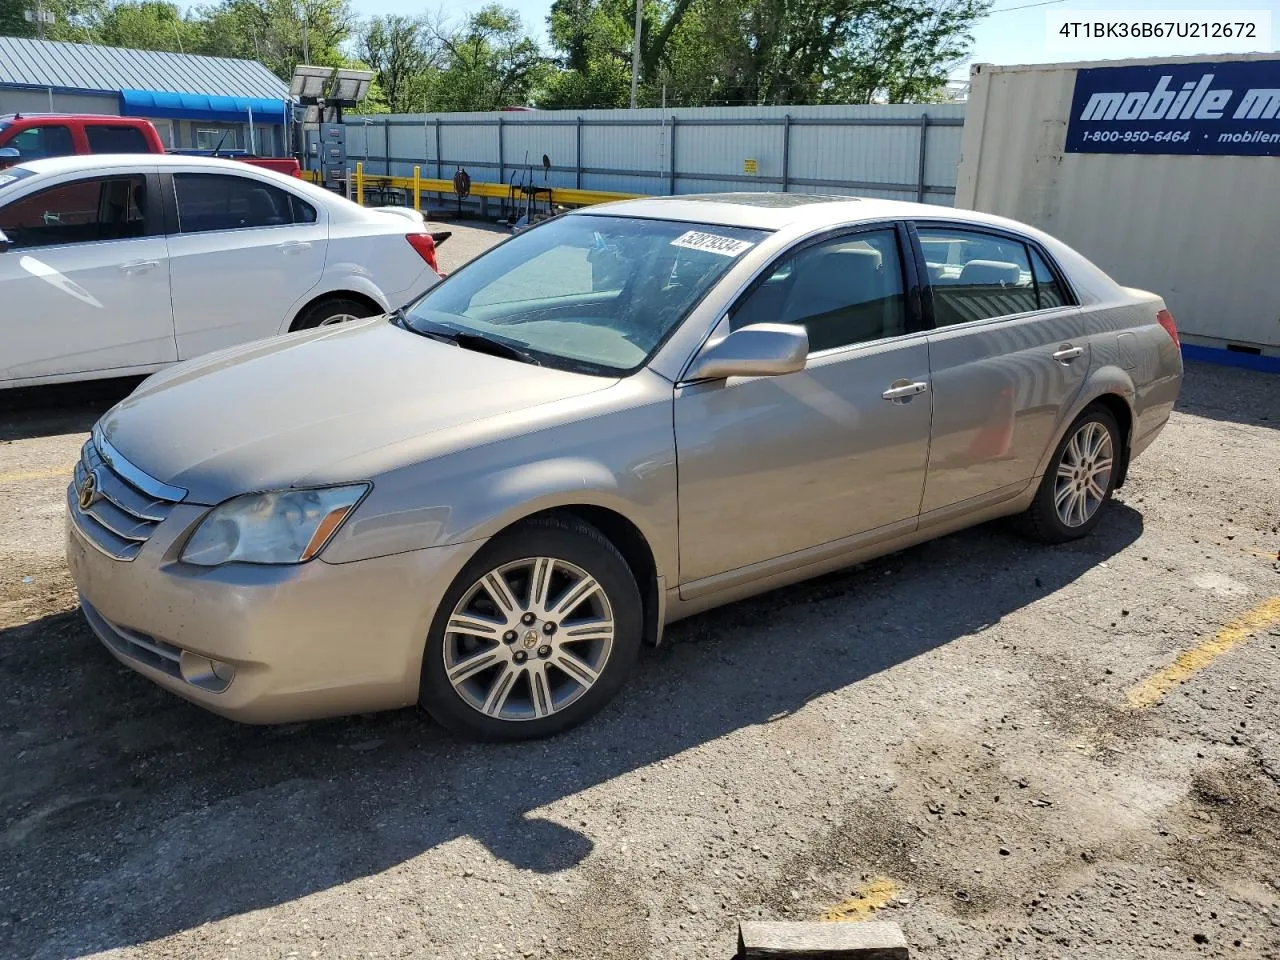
<point>121,265</point>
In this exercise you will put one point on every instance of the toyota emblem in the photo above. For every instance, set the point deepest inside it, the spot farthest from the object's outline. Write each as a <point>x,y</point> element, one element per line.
<point>88,492</point>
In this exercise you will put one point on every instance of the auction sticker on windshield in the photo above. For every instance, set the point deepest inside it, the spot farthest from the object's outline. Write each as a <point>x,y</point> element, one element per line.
<point>712,243</point>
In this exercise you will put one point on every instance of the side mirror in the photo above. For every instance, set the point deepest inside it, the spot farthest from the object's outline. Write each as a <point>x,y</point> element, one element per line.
<point>760,350</point>
<point>5,242</point>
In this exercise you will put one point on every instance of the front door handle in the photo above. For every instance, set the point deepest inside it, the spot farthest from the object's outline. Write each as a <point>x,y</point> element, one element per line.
<point>902,390</point>
<point>1066,354</point>
<point>295,246</point>
<point>135,267</point>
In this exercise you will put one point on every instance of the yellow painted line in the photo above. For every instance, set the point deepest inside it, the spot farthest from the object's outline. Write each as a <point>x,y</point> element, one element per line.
<point>1190,662</point>
<point>873,895</point>
<point>36,474</point>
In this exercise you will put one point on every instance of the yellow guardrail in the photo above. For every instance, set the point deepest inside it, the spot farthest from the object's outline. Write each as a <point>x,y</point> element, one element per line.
<point>417,185</point>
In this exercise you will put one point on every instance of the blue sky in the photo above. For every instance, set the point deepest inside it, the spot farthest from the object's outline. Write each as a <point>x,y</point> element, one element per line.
<point>1014,32</point>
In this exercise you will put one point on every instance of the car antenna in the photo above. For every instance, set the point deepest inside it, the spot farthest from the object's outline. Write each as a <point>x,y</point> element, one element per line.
<point>218,148</point>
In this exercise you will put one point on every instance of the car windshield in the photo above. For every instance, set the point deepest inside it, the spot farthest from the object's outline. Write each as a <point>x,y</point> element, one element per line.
<point>596,294</point>
<point>11,175</point>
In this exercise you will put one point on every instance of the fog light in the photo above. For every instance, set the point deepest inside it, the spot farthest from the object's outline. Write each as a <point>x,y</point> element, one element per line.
<point>212,675</point>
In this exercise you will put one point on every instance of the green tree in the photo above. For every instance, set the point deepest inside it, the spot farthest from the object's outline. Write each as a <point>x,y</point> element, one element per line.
<point>405,55</point>
<point>13,19</point>
<point>489,64</point>
<point>760,51</point>
<point>272,31</point>
<point>148,25</point>
<point>594,39</point>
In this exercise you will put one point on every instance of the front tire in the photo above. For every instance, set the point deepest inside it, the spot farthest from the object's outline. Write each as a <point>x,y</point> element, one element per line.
<point>1082,475</point>
<point>536,634</point>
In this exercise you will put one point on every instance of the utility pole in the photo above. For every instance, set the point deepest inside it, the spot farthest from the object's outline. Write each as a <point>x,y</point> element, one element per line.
<point>306,46</point>
<point>635,55</point>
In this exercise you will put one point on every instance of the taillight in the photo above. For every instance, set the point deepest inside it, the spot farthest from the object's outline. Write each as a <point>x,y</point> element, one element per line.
<point>426,248</point>
<point>1164,318</point>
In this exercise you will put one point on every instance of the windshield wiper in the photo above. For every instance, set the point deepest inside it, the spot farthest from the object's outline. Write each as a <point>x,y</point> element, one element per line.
<point>494,346</point>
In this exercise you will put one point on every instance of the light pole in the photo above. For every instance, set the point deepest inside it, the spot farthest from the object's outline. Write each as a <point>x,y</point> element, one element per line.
<point>635,55</point>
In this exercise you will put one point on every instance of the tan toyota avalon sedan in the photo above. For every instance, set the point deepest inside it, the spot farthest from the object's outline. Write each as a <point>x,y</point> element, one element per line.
<point>488,501</point>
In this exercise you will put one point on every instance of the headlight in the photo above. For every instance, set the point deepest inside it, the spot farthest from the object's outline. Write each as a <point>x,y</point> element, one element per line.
<point>287,526</point>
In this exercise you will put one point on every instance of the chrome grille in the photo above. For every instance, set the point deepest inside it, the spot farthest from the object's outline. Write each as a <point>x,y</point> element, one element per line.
<point>127,505</point>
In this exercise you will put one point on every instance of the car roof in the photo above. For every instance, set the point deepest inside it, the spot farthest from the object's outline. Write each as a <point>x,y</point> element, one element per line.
<point>86,117</point>
<point>778,211</point>
<point>115,161</point>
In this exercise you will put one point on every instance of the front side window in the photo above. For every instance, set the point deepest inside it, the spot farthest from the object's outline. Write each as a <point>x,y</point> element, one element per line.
<point>85,211</point>
<point>843,291</point>
<point>597,294</point>
<point>209,201</point>
<point>36,143</point>
<point>104,139</point>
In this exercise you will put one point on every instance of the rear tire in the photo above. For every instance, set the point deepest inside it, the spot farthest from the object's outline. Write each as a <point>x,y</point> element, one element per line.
<point>330,311</point>
<point>536,634</point>
<point>1081,476</point>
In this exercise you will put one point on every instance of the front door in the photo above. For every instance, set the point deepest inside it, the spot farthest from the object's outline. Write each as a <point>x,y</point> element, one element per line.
<point>1007,362</point>
<point>244,253</point>
<point>770,466</point>
<point>84,283</point>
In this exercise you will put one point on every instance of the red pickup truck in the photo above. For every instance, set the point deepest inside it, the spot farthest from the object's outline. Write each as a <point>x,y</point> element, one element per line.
<point>38,135</point>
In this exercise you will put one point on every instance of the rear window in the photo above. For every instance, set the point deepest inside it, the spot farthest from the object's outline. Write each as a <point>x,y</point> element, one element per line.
<point>105,139</point>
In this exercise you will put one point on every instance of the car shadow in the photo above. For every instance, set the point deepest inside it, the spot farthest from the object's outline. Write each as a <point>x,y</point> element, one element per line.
<point>31,412</point>
<point>130,815</point>
<point>1230,393</point>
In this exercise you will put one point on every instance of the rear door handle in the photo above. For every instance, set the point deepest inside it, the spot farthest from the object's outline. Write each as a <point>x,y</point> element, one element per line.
<point>295,246</point>
<point>904,390</point>
<point>1067,354</point>
<point>135,267</point>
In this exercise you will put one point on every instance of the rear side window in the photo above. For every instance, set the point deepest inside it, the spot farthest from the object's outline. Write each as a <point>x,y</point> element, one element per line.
<point>85,211</point>
<point>36,143</point>
<point>223,202</point>
<point>104,139</point>
<point>976,276</point>
<point>843,291</point>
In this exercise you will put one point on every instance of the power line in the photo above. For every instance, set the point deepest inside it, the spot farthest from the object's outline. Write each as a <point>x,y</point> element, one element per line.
<point>1025,6</point>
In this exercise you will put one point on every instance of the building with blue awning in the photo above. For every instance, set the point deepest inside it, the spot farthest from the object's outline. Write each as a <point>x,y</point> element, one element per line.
<point>195,102</point>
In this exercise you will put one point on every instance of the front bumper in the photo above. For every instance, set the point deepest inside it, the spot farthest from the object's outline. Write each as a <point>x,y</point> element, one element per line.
<point>295,642</point>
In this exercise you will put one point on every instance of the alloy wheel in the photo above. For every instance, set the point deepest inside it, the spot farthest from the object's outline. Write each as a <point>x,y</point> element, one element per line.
<point>1084,474</point>
<point>528,639</point>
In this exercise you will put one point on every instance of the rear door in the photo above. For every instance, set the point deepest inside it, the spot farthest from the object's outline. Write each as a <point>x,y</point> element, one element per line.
<point>243,252</point>
<point>1006,358</point>
<point>85,284</point>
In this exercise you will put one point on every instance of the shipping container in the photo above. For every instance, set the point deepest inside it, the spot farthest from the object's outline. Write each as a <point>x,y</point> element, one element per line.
<point>1140,165</point>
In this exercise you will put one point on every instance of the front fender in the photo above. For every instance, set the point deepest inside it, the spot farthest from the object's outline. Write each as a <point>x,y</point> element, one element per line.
<point>1107,379</point>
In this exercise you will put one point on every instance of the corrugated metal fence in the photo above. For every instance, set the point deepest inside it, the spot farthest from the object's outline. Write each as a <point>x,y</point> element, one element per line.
<point>902,152</point>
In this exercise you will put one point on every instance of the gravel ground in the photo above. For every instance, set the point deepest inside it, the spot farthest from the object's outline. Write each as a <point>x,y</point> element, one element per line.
<point>945,735</point>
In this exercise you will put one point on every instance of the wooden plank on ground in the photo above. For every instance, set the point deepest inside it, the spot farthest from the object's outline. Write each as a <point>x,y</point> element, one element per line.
<point>758,940</point>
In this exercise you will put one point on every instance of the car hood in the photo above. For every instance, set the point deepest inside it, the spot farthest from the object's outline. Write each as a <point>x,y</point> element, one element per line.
<point>332,405</point>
